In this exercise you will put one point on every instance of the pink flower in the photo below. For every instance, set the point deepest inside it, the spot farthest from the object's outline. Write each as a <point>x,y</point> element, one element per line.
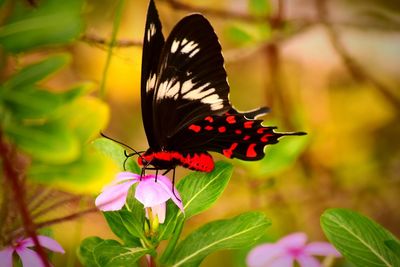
<point>289,249</point>
<point>151,193</point>
<point>29,257</point>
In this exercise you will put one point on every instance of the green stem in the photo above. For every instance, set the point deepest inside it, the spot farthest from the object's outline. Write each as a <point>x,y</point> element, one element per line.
<point>117,21</point>
<point>173,241</point>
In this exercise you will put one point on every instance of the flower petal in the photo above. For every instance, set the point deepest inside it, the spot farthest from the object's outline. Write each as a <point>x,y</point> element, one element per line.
<point>295,240</point>
<point>263,254</point>
<point>121,177</point>
<point>150,193</point>
<point>308,261</point>
<point>284,261</point>
<point>6,257</point>
<point>44,241</point>
<point>114,197</point>
<point>165,182</point>
<point>160,211</point>
<point>321,249</point>
<point>29,258</point>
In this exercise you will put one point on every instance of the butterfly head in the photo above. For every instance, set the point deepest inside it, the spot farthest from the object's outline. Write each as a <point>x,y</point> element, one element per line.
<point>145,159</point>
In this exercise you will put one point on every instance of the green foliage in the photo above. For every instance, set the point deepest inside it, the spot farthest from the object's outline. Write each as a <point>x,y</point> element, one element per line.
<point>51,126</point>
<point>234,233</point>
<point>199,191</point>
<point>394,246</point>
<point>50,23</point>
<point>259,7</point>
<point>96,252</point>
<point>116,153</point>
<point>116,223</point>
<point>358,238</point>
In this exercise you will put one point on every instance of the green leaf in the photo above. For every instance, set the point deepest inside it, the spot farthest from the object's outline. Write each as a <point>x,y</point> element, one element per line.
<point>133,222</point>
<point>31,102</point>
<point>86,117</point>
<point>238,34</point>
<point>394,246</point>
<point>259,7</point>
<point>358,238</point>
<point>201,190</point>
<point>51,142</point>
<point>86,250</point>
<point>110,253</point>
<point>87,174</point>
<point>47,24</point>
<point>234,233</point>
<point>116,153</point>
<point>116,224</point>
<point>36,72</point>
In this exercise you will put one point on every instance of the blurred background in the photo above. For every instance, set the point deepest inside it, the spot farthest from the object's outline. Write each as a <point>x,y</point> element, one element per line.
<point>330,68</point>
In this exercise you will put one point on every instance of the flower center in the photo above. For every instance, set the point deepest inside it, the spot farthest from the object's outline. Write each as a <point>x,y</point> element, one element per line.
<point>295,252</point>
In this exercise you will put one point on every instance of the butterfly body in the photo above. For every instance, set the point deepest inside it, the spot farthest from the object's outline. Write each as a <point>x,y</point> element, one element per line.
<point>186,109</point>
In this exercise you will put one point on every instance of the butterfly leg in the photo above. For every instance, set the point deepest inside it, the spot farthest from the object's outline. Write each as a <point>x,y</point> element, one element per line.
<point>156,175</point>
<point>173,184</point>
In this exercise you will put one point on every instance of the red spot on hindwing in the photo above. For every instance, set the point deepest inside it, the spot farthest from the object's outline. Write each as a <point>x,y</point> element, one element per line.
<point>229,151</point>
<point>231,119</point>
<point>265,137</point>
<point>209,119</point>
<point>238,131</point>
<point>248,124</point>
<point>222,129</point>
<point>247,137</point>
<point>261,130</point>
<point>251,153</point>
<point>195,128</point>
<point>208,128</point>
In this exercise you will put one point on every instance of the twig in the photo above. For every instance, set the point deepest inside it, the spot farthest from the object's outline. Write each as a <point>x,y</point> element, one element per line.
<point>54,206</point>
<point>65,218</point>
<point>13,179</point>
<point>356,69</point>
<point>93,39</point>
<point>217,12</point>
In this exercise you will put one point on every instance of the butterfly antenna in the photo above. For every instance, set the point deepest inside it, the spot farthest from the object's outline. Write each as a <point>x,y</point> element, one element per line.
<point>125,145</point>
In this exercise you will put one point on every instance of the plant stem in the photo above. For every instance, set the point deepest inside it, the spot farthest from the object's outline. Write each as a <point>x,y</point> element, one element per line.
<point>117,21</point>
<point>173,241</point>
<point>12,177</point>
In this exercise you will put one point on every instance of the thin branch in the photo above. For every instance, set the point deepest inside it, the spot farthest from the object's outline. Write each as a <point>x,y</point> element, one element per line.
<point>66,218</point>
<point>12,176</point>
<point>355,68</point>
<point>97,40</point>
<point>217,12</point>
<point>55,206</point>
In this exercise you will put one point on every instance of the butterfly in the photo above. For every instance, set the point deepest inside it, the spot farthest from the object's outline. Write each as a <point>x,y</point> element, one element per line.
<point>185,103</point>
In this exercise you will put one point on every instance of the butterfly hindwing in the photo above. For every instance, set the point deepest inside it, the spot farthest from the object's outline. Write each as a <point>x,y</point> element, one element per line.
<point>153,43</point>
<point>191,81</point>
<point>233,134</point>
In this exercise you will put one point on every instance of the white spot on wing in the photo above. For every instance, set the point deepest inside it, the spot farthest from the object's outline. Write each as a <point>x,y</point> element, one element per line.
<point>151,31</point>
<point>186,86</point>
<point>151,82</point>
<point>189,47</point>
<point>194,52</point>
<point>174,46</point>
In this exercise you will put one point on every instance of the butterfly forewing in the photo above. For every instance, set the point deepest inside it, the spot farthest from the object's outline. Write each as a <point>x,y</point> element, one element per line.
<point>153,43</point>
<point>191,82</point>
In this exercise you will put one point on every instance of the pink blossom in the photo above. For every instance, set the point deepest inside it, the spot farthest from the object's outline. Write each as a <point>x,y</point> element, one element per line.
<point>29,257</point>
<point>289,249</point>
<point>150,192</point>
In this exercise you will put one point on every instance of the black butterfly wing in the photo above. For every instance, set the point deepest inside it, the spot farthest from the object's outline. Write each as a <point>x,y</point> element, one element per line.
<point>191,82</point>
<point>233,134</point>
<point>153,43</point>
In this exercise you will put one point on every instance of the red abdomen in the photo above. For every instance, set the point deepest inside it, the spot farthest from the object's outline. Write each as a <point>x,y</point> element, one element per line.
<point>200,161</point>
